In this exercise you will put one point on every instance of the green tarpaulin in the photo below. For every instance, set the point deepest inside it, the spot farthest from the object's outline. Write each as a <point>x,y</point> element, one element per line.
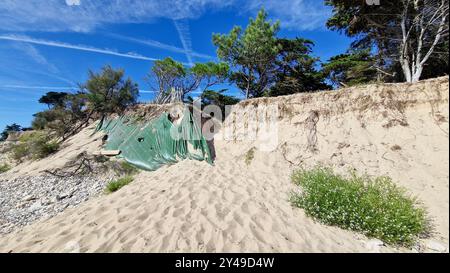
<point>155,143</point>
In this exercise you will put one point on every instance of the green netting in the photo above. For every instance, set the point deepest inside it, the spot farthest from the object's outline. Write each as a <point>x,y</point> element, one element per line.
<point>149,146</point>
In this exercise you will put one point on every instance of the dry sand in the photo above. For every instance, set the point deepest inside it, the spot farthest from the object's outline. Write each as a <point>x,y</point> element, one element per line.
<point>397,130</point>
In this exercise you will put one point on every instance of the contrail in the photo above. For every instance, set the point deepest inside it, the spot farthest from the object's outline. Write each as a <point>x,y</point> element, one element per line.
<point>35,87</point>
<point>11,86</point>
<point>156,44</point>
<point>76,47</point>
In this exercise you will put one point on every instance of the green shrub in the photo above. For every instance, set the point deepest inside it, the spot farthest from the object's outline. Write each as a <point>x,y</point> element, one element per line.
<point>34,145</point>
<point>375,207</point>
<point>4,168</point>
<point>119,183</point>
<point>31,136</point>
<point>44,149</point>
<point>20,151</point>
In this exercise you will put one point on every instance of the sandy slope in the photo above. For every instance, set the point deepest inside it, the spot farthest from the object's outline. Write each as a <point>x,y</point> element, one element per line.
<point>86,141</point>
<point>397,130</point>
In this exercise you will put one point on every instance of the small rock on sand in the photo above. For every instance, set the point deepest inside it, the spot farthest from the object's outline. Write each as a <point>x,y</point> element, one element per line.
<point>28,198</point>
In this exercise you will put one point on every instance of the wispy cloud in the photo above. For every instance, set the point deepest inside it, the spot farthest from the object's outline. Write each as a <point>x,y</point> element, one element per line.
<point>293,14</point>
<point>26,59</point>
<point>14,86</point>
<point>156,44</point>
<point>26,72</point>
<point>52,75</point>
<point>10,98</point>
<point>56,15</point>
<point>36,56</point>
<point>76,47</point>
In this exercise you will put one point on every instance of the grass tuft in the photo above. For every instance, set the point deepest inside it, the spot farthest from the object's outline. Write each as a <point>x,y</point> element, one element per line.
<point>35,145</point>
<point>4,168</point>
<point>375,207</point>
<point>45,148</point>
<point>119,183</point>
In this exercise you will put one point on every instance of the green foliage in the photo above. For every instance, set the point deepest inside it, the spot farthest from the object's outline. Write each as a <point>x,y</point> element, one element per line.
<point>351,68</point>
<point>64,115</point>
<point>42,119</point>
<point>119,183</point>
<point>45,148</point>
<point>53,99</point>
<point>170,75</point>
<point>20,151</point>
<point>249,156</point>
<point>4,168</point>
<point>104,93</point>
<point>218,98</point>
<point>266,65</point>
<point>10,128</point>
<point>295,69</point>
<point>209,74</point>
<point>34,145</point>
<point>378,27</point>
<point>60,120</point>
<point>108,92</point>
<point>251,53</point>
<point>376,207</point>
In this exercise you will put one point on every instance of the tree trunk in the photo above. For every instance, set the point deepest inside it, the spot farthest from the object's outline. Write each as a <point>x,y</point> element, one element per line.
<point>406,69</point>
<point>417,73</point>
<point>411,59</point>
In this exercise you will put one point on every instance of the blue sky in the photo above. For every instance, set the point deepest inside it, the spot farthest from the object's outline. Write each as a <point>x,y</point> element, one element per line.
<point>50,45</point>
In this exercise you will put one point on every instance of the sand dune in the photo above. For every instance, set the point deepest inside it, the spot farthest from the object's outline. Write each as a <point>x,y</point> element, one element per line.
<point>233,206</point>
<point>189,207</point>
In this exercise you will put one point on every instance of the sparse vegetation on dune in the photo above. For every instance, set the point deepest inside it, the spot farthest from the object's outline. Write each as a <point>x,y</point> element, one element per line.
<point>119,183</point>
<point>375,207</point>
<point>34,145</point>
<point>4,168</point>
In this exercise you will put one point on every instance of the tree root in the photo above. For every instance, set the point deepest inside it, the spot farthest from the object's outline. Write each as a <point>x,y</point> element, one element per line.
<point>311,126</point>
<point>81,165</point>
